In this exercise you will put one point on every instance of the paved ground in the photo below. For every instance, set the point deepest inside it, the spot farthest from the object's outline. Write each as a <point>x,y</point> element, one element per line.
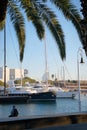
<point>82,126</point>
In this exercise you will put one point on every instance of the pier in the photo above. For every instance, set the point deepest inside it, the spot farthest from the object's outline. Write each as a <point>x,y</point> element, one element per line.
<point>67,121</point>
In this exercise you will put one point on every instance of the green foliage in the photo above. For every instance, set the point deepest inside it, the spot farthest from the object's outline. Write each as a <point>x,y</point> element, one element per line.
<point>1,83</point>
<point>30,80</point>
<point>50,81</point>
<point>18,23</point>
<point>24,80</point>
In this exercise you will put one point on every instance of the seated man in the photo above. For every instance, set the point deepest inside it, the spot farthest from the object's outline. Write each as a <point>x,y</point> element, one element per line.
<point>14,112</point>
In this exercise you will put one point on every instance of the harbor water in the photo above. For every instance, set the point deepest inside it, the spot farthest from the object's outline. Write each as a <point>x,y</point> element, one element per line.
<point>46,108</point>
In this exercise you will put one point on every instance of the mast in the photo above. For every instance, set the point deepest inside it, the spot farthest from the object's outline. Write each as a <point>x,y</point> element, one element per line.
<point>63,76</point>
<point>4,59</point>
<point>21,73</point>
<point>46,67</point>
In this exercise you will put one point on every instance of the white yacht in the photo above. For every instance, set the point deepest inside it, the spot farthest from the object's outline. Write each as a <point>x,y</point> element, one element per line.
<point>20,94</point>
<point>61,93</point>
<point>20,89</point>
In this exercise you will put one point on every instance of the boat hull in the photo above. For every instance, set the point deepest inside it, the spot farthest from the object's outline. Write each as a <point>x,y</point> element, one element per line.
<point>66,94</point>
<point>26,98</point>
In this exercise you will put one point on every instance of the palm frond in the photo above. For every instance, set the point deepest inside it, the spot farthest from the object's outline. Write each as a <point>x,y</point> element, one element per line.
<point>70,12</point>
<point>3,9</point>
<point>33,15</point>
<point>38,13</point>
<point>51,20</point>
<point>18,22</point>
<point>56,30</point>
<point>2,23</point>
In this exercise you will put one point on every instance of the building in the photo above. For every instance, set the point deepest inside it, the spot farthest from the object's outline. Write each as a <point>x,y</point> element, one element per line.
<point>12,74</point>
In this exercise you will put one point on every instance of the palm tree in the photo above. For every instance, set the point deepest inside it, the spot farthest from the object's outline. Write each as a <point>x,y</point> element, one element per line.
<point>39,13</point>
<point>84,24</point>
<point>52,76</point>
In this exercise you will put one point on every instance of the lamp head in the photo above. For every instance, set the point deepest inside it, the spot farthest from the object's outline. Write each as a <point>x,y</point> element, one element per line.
<point>81,60</point>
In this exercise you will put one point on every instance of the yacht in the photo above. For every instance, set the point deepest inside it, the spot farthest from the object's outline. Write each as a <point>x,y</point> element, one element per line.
<point>20,94</point>
<point>61,93</point>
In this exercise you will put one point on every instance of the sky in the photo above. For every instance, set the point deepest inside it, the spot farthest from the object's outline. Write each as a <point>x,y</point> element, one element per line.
<point>34,55</point>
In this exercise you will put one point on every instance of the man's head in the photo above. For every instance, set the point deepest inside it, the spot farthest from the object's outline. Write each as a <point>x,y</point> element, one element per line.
<point>13,106</point>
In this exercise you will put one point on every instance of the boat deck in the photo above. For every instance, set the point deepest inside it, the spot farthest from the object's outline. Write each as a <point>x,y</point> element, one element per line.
<point>26,98</point>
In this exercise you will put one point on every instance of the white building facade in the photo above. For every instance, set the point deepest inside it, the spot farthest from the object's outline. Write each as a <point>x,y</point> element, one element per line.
<point>12,74</point>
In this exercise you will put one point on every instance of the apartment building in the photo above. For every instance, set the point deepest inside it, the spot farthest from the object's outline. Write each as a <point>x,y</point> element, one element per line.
<point>12,74</point>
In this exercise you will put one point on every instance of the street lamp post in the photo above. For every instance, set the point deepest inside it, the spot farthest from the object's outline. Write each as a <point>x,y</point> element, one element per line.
<point>79,92</point>
<point>4,59</point>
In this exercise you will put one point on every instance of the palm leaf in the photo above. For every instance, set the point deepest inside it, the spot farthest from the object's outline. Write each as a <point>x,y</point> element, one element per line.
<point>70,12</point>
<point>51,20</point>
<point>38,12</point>
<point>33,16</point>
<point>3,8</point>
<point>55,28</point>
<point>18,22</point>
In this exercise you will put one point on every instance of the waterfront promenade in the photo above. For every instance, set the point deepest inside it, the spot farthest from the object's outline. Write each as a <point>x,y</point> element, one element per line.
<point>76,121</point>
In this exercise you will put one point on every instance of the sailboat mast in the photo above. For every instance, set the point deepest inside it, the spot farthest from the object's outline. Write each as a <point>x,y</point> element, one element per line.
<point>63,76</point>
<point>21,73</point>
<point>46,68</point>
<point>4,59</point>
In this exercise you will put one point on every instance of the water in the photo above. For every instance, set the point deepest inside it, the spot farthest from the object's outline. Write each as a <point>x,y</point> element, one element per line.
<point>45,108</point>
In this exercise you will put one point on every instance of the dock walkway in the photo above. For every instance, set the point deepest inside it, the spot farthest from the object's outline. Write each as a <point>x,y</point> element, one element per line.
<point>67,121</point>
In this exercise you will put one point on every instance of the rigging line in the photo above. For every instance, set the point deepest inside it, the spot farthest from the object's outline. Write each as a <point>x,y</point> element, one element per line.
<point>63,64</point>
<point>55,60</point>
<point>67,70</point>
<point>13,42</point>
<point>1,54</point>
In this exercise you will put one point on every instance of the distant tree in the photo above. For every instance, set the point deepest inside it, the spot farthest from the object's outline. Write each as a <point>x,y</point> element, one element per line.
<point>1,83</point>
<point>24,80</point>
<point>30,80</point>
<point>52,76</point>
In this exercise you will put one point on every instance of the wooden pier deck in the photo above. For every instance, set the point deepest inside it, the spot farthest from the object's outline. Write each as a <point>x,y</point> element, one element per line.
<point>68,121</point>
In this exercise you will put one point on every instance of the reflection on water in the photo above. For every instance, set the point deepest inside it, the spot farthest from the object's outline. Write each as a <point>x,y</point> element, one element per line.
<point>45,108</point>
